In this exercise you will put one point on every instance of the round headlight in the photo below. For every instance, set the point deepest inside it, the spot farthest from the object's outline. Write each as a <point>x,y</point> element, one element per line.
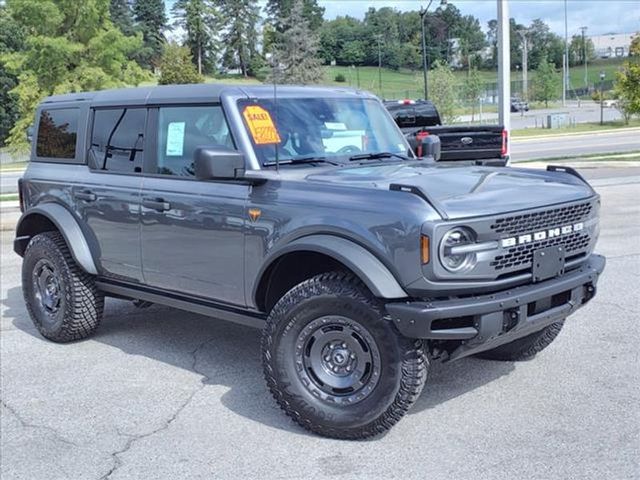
<point>452,260</point>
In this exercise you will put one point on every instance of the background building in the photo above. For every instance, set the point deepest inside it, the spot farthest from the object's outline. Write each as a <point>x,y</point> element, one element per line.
<point>612,45</point>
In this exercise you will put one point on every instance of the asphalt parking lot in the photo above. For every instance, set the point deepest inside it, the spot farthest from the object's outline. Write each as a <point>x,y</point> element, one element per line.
<point>163,394</point>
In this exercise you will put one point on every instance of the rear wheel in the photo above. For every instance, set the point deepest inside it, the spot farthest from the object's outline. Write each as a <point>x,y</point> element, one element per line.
<point>527,347</point>
<point>334,364</point>
<point>61,298</point>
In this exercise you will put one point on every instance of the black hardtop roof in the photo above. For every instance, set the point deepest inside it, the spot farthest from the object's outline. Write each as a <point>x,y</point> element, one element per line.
<point>198,93</point>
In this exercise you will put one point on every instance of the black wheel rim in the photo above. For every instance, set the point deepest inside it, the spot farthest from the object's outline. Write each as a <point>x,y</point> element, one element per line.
<point>47,287</point>
<point>337,360</point>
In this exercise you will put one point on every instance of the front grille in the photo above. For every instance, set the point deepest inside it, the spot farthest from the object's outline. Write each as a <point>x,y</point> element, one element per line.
<point>531,222</point>
<point>522,255</point>
<point>514,259</point>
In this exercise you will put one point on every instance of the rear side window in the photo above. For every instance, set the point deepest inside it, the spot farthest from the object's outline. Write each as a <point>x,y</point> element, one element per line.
<point>117,139</point>
<point>57,133</point>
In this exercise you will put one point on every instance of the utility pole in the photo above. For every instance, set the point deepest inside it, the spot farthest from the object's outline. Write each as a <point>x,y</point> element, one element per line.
<point>584,58</point>
<point>525,63</point>
<point>504,68</point>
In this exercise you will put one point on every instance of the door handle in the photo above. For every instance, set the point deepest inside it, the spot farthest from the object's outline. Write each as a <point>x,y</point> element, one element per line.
<point>86,195</point>
<point>156,204</point>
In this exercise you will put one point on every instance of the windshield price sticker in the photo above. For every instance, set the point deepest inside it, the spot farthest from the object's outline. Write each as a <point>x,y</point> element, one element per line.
<point>261,125</point>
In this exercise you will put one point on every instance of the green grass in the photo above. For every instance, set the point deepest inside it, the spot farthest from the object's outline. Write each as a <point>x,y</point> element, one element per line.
<point>9,197</point>
<point>578,128</point>
<point>409,84</point>
<point>609,66</point>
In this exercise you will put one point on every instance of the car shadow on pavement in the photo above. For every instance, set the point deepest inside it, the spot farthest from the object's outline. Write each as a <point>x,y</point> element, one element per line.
<point>227,354</point>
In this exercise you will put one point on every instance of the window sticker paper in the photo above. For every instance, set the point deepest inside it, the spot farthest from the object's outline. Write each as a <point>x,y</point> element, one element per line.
<point>175,139</point>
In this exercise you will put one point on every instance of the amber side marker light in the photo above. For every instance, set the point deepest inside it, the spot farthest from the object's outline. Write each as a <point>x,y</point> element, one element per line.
<point>424,249</point>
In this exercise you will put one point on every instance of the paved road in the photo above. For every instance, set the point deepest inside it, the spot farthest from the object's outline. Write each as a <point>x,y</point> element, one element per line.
<point>587,112</point>
<point>164,394</point>
<point>9,182</point>
<point>574,145</point>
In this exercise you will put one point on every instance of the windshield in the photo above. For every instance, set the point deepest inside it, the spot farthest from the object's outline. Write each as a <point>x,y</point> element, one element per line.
<point>329,129</point>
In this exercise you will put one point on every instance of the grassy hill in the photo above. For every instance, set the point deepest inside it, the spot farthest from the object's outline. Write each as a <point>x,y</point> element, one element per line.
<point>408,84</point>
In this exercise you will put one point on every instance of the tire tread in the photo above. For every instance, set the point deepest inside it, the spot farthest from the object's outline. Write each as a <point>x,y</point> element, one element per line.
<point>414,359</point>
<point>85,302</point>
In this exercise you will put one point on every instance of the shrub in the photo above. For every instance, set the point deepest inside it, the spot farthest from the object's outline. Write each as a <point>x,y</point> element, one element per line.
<point>340,78</point>
<point>176,66</point>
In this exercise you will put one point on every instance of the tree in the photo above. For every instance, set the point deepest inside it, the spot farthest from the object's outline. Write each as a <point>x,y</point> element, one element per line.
<point>74,47</point>
<point>200,21</point>
<point>577,49</point>
<point>471,37</point>
<point>122,16</point>
<point>151,18</point>
<point>627,88</point>
<point>546,82</point>
<point>634,48</point>
<point>443,91</point>
<point>240,37</point>
<point>473,89</point>
<point>176,66</point>
<point>544,44</point>
<point>295,57</point>
<point>278,10</point>
<point>352,53</point>
<point>11,40</point>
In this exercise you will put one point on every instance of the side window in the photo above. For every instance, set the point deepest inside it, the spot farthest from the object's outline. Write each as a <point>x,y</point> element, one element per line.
<point>117,140</point>
<point>57,133</point>
<point>182,129</point>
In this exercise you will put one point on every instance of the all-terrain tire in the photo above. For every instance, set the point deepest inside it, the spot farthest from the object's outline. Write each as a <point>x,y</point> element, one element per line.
<point>61,298</point>
<point>397,371</point>
<point>525,348</point>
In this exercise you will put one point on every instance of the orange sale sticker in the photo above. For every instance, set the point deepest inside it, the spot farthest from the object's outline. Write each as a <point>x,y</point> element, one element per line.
<point>261,125</point>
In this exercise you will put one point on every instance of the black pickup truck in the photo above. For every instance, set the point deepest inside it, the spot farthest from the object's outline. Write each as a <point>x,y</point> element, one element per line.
<point>486,144</point>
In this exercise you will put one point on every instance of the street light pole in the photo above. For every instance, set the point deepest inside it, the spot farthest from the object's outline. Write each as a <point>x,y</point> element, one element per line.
<point>602,75</point>
<point>525,64</point>
<point>565,62</point>
<point>584,53</point>
<point>504,68</point>
<point>379,37</point>
<point>423,14</point>
<point>425,65</point>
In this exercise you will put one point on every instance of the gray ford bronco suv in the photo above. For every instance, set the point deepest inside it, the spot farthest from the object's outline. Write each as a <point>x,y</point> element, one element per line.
<point>307,215</point>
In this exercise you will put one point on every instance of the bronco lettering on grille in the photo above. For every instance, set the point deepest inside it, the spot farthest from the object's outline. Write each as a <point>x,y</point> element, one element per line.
<point>541,235</point>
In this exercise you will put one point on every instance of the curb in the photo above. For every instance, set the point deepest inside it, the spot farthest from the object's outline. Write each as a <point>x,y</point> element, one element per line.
<point>516,138</point>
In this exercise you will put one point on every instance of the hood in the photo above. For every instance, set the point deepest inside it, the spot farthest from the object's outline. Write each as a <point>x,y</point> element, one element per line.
<point>462,192</point>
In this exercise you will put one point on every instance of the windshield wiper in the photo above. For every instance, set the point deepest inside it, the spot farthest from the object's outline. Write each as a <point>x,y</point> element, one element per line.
<point>377,156</point>
<point>295,161</point>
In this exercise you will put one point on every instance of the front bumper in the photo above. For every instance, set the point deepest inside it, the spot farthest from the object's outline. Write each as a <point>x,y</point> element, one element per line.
<point>488,321</point>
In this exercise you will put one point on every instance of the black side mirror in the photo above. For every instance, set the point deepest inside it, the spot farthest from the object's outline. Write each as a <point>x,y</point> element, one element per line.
<point>218,163</point>
<point>430,147</point>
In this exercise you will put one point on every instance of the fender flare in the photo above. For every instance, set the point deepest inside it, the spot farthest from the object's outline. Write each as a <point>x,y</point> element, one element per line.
<point>67,225</point>
<point>366,266</point>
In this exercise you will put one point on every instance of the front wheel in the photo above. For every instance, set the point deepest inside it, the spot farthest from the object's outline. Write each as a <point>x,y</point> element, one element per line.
<point>334,365</point>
